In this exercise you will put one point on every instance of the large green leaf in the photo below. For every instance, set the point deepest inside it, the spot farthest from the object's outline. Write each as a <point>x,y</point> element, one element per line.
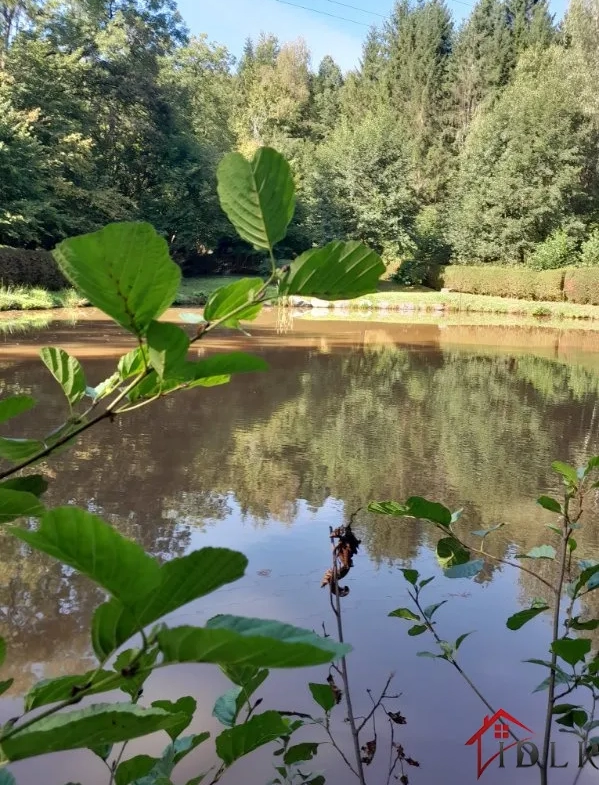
<point>18,504</point>
<point>32,483</point>
<point>107,723</point>
<point>85,542</point>
<point>226,707</point>
<point>339,270</point>
<point>323,695</point>
<point>466,569</point>
<point>236,640</point>
<point>415,507</point>
<point>451,552</point>
<point>17,450</point>
<point>180,581</point>
<point>549,504</point>
<point>567,472</point>
<point>571,650</point>
<point>133,363</point>
<point>300,752</point>
<point>67,371</point>
<point>522,617</point>
<point>184,708</point>
<point>258,196</point>
<point>125,270</point>
<point>167,347</point>
<point>16,404</point>
<point>404,613</point>
<point>64,687</point>
<point>261,729</point>
<point>208,372</point>
<point>234,297</point>
<point>133,769</point>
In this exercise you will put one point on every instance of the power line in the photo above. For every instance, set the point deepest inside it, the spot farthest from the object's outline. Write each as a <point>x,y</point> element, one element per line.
<point>324,13</point>
<point>355,8</point>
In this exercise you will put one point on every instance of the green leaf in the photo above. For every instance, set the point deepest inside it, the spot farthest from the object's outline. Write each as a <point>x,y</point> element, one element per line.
<point>102,750</point>
<point>6,778</point>
<point>519,619</point>
<point>417,629</point>
<point>18,504</point>
<point>576,624</point>
<point>450,552</point>
<point>404,613</point>
<point>415,507</point>
<point>133,363</point>
<point>300,752</point>
<point>411,576</point>
<point>62,688</point>
<point>184,709</point>
<point>567,472</point>
<point>431,655</point>
<point>17,450</point>
<point>562,708</point>
<point>466,570</point>
<point>261,729</point>
<point>432,609</point>
<point>67,371</point>
<point>182,747</point>
<point>549,504</point>
<point>232,297</point>
<point>571,650</point>
<point>6,685</point>
<point>425,582</point>
<point>125,270</point>
<point>258,196</point>
<point>133,769</point>
<point>560,678</point>
<point>575,717</point>
<point>540,552</point>
<point>110,723</point>
<point>83,541</point>
<point>135,669</point>
<point>461,639</point>
<point>339,269</point>
<point>192,318</point>
<point>32,483</point>
<point>16,404</point>
<point>167,347</point>
<point>181,581</point>
<point>323,695</point>
<point>234,640</point>
<point>226,707</point>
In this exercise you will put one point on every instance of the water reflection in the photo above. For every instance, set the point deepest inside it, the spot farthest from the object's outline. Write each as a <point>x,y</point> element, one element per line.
<point>347,414</point>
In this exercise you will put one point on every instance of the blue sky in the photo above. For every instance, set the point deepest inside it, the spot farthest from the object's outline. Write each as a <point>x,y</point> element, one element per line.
<point>231,21</point>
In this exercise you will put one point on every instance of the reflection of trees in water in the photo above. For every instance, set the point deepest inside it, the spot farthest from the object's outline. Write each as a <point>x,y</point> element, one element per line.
<point>377,422</point>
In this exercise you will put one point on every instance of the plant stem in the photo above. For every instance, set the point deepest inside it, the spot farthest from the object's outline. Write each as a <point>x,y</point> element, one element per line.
<point>344,674</point>
<point>566,531</point>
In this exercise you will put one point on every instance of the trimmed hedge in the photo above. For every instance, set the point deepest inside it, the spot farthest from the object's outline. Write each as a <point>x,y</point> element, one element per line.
<point>581,285</point>
<point>519,283</point>
<point>20,267</point>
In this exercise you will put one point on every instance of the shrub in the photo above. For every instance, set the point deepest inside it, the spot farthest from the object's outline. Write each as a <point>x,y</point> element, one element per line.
<point>520,283</point>
<point>20,267</point>
<point>558,250</point>
<point>430,234</point>
<point>581,285</point>
<point>411,272</point>
<point>589,253</point>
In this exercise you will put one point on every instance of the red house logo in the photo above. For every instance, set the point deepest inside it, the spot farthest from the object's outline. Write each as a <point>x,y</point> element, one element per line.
<point>498,728</point>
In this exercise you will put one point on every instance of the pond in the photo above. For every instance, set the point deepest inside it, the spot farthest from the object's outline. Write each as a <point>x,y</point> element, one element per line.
<point>350,412</point>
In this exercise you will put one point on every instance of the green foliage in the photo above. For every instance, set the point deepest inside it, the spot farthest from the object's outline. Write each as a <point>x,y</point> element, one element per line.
<point>67,371</point>
<point>495,281</point>
<point>589,252</point>
<point>582,286</point>
<point>18,504</point>
<point>20,267</point>
<point>258,196</point>
<point>15,405</point>
<point>557,250</point>
<point>261,729</point>
<point>323,695</point>
<point>125,270</point>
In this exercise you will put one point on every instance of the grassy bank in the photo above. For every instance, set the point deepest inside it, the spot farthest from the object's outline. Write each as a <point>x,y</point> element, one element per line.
<point>195,291</point>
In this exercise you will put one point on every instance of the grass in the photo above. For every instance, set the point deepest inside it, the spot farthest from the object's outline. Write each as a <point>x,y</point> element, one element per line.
<point>195,291</point>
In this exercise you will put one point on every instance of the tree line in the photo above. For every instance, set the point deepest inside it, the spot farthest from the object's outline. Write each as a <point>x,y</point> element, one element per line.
<point>476,143</point>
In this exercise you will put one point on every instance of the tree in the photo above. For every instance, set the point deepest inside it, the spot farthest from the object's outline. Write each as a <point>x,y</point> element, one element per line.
<point>481,62</point>
<point>528,166</point>
<point>418,43</point>
<point>327,86</point>
<point>531,24</point>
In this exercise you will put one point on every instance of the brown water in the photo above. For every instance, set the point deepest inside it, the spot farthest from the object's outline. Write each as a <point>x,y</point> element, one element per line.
<point>349,412</point>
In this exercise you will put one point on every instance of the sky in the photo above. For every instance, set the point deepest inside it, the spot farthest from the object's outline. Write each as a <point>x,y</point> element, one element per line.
<point>230,22</point>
